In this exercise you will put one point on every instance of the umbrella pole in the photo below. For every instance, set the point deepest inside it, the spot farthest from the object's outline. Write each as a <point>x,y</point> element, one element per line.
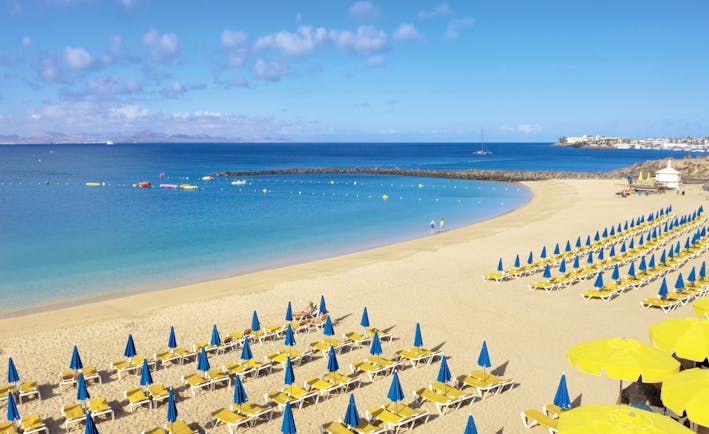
<point>620,392</point>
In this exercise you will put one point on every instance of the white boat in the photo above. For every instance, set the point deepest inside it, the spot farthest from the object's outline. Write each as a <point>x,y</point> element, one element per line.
<point>109,142</point>
<point>482,151</point>
<point>238,182</point>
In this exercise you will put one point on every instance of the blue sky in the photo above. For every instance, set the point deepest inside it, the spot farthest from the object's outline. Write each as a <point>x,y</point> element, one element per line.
<point>355,70</point>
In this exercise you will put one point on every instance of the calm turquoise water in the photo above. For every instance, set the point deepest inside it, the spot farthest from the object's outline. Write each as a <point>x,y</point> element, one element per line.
<point>61,240</point>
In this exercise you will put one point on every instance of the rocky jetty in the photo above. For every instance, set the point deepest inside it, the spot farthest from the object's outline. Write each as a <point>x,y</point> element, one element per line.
<point>475,174</point>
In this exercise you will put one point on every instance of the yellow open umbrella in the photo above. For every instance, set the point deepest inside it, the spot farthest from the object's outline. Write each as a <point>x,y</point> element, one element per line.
<point>617,419</point>
<point>688,391</point>
<point>623,359</point>
<point>688,338</point>
<point>701,307</point>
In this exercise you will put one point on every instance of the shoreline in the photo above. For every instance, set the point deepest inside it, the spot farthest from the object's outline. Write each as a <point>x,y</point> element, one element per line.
<point>110,298</point>
<point>305,257</point>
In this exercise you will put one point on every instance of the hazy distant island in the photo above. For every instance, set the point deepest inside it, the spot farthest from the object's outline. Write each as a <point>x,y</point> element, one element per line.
<point>693,144</point>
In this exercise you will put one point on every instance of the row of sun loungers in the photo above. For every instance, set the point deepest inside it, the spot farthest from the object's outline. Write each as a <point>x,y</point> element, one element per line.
<point>26,390</point>
<point>75,413</point>
<point>247,414</point>
<point>539,265</point>
<point>29,425</point>
<point>177,427</point>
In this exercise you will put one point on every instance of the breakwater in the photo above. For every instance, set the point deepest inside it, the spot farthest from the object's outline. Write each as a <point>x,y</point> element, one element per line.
<point>471,174</point>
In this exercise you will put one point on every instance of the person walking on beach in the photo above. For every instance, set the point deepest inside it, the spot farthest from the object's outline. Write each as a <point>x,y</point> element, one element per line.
<point>440,225</point>
<point>433,226</point>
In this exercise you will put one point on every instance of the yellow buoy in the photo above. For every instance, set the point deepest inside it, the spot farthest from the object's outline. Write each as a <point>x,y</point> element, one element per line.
<point>265,190</point>
<point>93,184</point>
<point>332,182</point>
<point>385,196</point>
<point>420,185</point>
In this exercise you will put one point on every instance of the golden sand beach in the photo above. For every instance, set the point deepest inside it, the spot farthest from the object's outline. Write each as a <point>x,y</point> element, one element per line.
<point>434,280</point>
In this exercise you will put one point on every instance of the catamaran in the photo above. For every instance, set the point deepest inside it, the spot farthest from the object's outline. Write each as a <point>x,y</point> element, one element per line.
<point>482,151</point>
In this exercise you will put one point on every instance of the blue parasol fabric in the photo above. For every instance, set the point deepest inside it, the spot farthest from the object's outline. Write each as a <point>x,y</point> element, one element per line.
<point>418,339</point>
<point>130,347</point>
<point>12,375</point>
<point>172,340</point>
<point>75,363</point>
<point>203,361</point>
<point>145,378</point>
<point>215,340</point>
<point>364,322</point>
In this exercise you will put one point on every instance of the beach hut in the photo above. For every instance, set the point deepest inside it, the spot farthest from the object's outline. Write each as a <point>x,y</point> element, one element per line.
<point>669,177</point>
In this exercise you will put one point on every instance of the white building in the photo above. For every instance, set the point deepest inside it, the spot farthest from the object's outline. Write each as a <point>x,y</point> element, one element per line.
<point>668,177</point>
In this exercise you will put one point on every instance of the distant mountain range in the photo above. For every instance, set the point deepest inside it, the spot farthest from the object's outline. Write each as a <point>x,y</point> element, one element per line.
<point>141,137</point>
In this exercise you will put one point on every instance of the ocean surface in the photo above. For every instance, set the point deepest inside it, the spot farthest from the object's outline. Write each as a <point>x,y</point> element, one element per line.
<point>62,241</point>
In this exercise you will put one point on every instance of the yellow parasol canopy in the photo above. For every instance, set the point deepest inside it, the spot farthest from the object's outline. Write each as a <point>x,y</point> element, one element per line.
<point>640,177</point>
<point>623,359</point>
<point>617,419</point>
<point>701,307</point>
<point>688,391</point>
<point>688,338</point>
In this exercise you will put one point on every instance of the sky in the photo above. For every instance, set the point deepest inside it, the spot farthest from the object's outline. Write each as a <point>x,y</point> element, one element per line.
<point>330,70</point>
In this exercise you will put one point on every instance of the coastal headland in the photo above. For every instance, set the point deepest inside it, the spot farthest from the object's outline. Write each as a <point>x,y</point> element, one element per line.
<point>435,280</point>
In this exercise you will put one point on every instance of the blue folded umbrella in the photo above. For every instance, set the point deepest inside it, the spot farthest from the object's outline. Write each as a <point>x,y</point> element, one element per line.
<point>599,281</point>
<point>543,255</point>
<point>444,374</point>
<point>290,338</point>
<point>530,258</point>
<point>332,365</point>
<point>418,339</point>
<point>616,273</point>
<point>255,323</point>
<point>130,347</point>
<point>289,375</point>
<point>82,393</point>
<point>289,313</point>
<point>517,263</point>
<point>203,361</point>
<point>562,266</point>
<point>484,356</point>
<point>395,393</point>
<point>145,378</point>
<point>631,269</point>
<point>364,322</point>
<point>171,407</point>
<point>215,340</point>
<point>240,396</point>
<point>288,425</point>
<point>375,348</point>
<point>75,363</point>
<point>567,248</point>
<point>246,353</point>
<point>663,289</point>
<point>547,272</point>
<point>13,413</point>
<point>470,426</point>
<point>557,250</point>
<point>12,375</point>
<point>679,284</point>
<point>328,329</point>
<point>351,418</point>
<point>322,309</point>
<point>561,398</point>
<point>172,340</point>
<point>90,427</point>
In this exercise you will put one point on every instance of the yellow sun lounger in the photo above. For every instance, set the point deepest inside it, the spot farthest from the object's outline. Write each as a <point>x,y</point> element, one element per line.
<point>345,381</point>
<point>136,397</point>
<point>419,355</point>
<point>100,407</point>
<point>534,417</point>
<point>72,413</point>
<point>156,430</point>
<point>253,410</point>
<point>28,389</point>
<point>371,369</point>
<point>451,391</point>
<point>232,420</point>
<point>249,367</point>
<point>482,388</point>
<point>90,374</point>
<point>337,427</point>
<point>122,367</point>
<point>179,427</point>
<point>442,402</point>
<point>158,393</point>
<point>33,424</point>
<point>665,305</point>
<point>216,376</point>
<point>196,382</point>
<point>357,339</point>
<point>489,378</point>
<point>323,387</point>
<point>7,428</point>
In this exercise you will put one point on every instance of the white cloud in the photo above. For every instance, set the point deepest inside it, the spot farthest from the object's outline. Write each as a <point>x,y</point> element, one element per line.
<point>26,41</point>
<point>231,39</point>
<point>406,32</point>
<point>176,89</point>
<point>376,61</point>
<point>526,129</point>
<point>115,52</point>
<point>163,47</point>
<point>456,25</point>
<point>305,41</point>
<point>368,39</point>
<point>78,58</point>
<point>48,71</point>
<point>440,10</point>
<point>364,10</point>
<point>271,71</point>
<point>128,112</point>
<point>113,86</point>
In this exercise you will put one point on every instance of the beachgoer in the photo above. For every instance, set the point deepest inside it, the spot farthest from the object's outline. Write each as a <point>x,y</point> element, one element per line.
<point>433,226</point>
<point>440,225</point>
<point>308,312</point>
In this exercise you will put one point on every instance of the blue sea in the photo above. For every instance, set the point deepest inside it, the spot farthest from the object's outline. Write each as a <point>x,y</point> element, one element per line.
<point>63,242</point>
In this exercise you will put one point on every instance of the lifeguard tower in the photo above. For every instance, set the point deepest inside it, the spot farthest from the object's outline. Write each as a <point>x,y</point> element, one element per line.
<point>668,178</point>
